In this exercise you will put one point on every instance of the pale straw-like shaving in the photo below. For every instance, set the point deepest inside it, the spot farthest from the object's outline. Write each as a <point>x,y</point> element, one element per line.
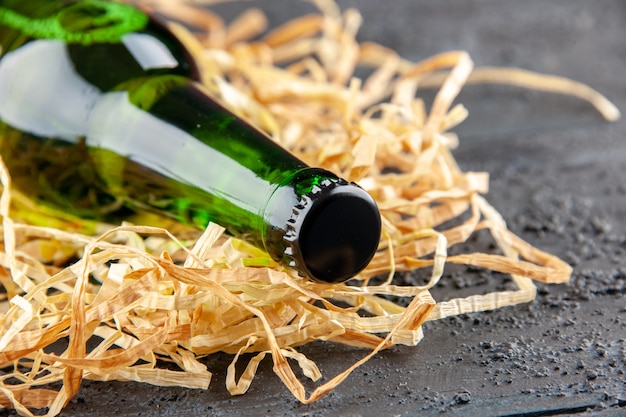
<point>145,295</point>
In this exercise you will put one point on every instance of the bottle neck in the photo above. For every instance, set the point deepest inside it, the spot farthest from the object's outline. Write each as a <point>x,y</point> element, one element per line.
<point>199,156</point>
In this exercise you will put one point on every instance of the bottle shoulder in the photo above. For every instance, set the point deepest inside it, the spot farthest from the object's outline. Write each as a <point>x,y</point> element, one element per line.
<point>108,43</point>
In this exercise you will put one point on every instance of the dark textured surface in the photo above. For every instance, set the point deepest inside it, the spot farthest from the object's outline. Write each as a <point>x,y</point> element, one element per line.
<point>557,176</point>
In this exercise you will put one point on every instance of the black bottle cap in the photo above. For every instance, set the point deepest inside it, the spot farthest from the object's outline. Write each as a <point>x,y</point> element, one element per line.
<point>334,232</point>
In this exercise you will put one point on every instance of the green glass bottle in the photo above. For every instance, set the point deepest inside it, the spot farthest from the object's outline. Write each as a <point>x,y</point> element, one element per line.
<point>101,113</point>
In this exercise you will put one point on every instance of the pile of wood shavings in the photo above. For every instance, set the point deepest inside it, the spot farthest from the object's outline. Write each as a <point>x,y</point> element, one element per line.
<point>145,295</point>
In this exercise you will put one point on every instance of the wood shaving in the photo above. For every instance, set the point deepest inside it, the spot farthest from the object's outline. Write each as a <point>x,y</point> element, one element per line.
<point>145,295</point>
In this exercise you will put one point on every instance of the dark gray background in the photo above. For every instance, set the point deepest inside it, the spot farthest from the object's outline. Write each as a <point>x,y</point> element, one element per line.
<point>557,175</point>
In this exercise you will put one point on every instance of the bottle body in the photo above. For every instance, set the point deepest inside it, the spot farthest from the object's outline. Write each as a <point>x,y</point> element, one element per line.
<point>106,115</point>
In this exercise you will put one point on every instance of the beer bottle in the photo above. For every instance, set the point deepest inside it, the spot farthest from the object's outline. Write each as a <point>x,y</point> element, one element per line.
<point>102,114</point>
